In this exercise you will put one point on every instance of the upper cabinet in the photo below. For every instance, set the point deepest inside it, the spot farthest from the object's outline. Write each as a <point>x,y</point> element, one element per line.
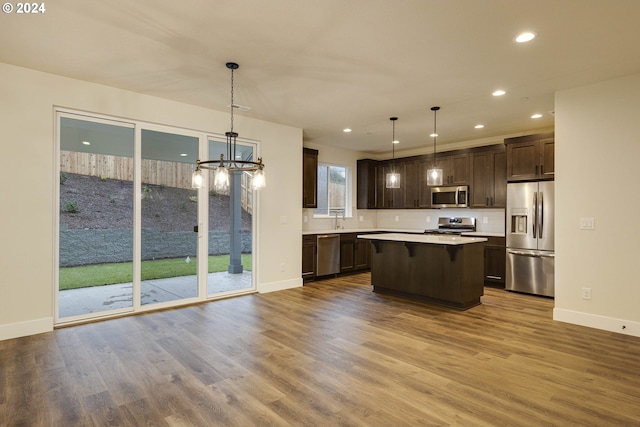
<point>367,184</point>
<point>455,168</point>
<point>390,197</point>
<point>530,157</point>
<point>489,178</point>
<point>309,178</point>
<point>483,169</point>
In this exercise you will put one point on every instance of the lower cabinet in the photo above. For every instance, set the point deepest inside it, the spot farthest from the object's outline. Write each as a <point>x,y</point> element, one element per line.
<point>495,261</point>
<point>309,248</point>
<point>355,254</point>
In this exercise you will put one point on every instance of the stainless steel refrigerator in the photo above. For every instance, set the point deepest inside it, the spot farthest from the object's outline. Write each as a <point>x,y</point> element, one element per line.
<point>530,252</point>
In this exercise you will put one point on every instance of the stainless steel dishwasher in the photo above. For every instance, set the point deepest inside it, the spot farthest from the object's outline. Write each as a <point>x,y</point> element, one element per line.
<point>328,254</point>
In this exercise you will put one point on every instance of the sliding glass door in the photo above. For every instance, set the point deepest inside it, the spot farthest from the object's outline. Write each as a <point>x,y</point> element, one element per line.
<point>132,233</point>
<point>231,228</point>
<point>169,213</point>
<point>96,217</point>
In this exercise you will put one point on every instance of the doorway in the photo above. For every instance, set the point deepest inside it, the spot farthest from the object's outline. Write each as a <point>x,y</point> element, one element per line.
<point>130,233</point>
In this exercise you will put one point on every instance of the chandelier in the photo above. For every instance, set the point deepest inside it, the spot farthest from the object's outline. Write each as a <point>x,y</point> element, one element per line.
<point>223,166</point>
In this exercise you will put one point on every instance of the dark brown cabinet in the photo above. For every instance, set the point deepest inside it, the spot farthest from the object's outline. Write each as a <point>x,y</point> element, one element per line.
<point>347,252</point>
<point>309,247</point>
<point>455,168</point>
<point>530,157</point>
<point>390,197</point>
<point>355,254</point>
<point>367,185</point>
<point>489,178</point>
<point>411,184</point>
<point>495,260</point>
<point>309,178</point>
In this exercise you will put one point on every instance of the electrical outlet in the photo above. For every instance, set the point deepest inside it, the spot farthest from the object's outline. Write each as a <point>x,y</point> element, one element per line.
<point>485,220</point>
<point>586,293</point>
<point>282,266</point>
<point>360,218</point>
<point>428,219</point>
<point>397,218</point>
<point>305,218</point>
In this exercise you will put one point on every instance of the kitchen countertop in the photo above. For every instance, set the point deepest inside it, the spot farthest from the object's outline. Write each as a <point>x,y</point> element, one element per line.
<point>423,238</point>
<point>482,234</point>
<point>359,230</point>
<point>378,230</point>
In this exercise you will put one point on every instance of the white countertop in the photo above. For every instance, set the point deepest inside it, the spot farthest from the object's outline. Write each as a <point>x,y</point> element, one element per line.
<point>423,238</point>
<point>359,230</point>
<point>482,234</point>
<point>378,230</point>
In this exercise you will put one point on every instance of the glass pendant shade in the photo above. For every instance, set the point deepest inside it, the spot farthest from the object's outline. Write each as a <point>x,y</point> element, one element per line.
<point>258,180</point>
<point>434,176</point>
<point>393,180</point>
<point>196,179</point>
<point>221,179</point>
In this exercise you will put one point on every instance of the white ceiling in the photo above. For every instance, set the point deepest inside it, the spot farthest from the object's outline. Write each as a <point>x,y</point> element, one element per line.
<point>323,65</point>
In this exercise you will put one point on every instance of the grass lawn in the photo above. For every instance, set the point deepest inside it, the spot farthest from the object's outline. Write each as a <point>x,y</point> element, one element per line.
<point>109,274</point>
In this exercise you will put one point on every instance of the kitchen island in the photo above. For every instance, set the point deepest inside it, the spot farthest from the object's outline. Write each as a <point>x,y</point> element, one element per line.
<point>442,269</point>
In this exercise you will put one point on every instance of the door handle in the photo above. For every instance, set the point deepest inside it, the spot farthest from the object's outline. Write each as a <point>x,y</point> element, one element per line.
<point>541,215</point>
<point>535,213</point>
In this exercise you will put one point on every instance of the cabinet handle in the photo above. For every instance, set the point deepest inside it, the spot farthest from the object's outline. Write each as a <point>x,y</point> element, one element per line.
<point>487,201</point>
<point>536,169</point>
<point>494,277</point>
<point>541,169</point>
<point>492,201</point>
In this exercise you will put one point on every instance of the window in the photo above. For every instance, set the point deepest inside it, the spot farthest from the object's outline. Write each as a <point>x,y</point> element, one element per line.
<point>333,197</point>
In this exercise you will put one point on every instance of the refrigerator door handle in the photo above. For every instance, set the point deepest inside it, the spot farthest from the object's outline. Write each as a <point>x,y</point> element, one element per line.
<point>532,254</point>
<point>541,214</point>
<point>535,214</point>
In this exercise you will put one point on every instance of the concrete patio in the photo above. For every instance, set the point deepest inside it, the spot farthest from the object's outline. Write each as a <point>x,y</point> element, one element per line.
<point>95,299</point>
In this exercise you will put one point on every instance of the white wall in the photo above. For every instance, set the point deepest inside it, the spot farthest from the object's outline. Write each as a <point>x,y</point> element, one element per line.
<point>597,170</point>
<point>27,169</point>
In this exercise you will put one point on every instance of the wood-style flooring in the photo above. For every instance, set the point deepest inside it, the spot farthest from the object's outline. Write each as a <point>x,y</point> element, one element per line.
<point>330,353</point>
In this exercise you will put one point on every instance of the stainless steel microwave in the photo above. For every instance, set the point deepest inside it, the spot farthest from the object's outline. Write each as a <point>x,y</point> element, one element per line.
<point>450,197</point>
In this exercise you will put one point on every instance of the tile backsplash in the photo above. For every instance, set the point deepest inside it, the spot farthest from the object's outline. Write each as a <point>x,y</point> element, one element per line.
<point>487,220</point>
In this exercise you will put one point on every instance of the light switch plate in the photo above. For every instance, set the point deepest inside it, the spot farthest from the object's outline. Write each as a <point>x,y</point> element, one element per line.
<point>587,224</point>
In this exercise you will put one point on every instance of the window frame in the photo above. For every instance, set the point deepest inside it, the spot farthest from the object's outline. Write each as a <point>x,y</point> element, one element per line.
<point>347,196</point>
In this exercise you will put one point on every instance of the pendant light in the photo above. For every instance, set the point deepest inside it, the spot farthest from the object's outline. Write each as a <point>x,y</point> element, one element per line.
<point>222,167</point>
<point>393,178</point>
<point>434,175</point>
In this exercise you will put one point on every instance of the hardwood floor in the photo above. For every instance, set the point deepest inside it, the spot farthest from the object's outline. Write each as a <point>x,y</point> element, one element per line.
<point>330,353</point>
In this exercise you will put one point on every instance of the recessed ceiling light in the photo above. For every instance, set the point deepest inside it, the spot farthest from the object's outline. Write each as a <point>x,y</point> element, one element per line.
<point>346,130</point>
<point>433,135</point>
<point>86,143</point>
<point>478,126</point>
<point>395,141</point>
<point>183,154</point>
<point>536,116</point>
<point>498,92</point>
<point>527,36</point>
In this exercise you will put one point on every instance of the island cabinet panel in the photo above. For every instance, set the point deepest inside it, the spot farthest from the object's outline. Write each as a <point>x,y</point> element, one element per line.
<point>450,275</point>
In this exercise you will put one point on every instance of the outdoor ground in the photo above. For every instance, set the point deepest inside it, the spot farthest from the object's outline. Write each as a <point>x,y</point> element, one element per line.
<point>90,202</point>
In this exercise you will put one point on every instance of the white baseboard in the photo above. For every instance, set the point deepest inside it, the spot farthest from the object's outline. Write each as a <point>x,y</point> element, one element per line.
<point>264,288</point>
<point>597,322</point>
<point>23,329</point>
